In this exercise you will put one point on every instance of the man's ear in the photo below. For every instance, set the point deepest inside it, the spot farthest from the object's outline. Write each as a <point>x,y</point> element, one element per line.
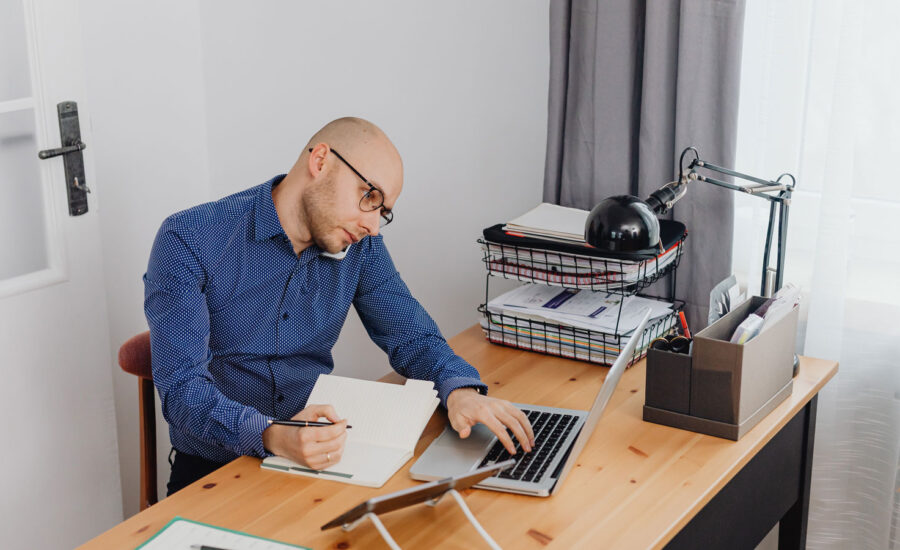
<point>316,161</point>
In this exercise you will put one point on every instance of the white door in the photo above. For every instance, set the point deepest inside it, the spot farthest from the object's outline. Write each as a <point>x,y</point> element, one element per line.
<point>59,460</point>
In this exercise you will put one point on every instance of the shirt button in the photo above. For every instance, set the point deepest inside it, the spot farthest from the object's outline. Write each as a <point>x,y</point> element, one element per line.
<point>285,316</point>
<point>280,397</point>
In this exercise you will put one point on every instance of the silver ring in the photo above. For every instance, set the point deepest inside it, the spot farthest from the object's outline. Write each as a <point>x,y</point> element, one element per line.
<point>328,457</point>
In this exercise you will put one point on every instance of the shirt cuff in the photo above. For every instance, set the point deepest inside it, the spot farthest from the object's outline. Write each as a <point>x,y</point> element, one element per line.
<point>251,430</point>
<point>450,384</point>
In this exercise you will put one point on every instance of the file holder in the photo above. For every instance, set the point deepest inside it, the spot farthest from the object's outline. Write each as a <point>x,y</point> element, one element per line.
<point>567,341</point>
<point>578,267</point>
<point>723,389</point>
<point>429,493</point>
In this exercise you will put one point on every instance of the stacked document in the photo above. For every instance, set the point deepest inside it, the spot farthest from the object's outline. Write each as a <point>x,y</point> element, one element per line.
<point>585,309</point>
<point>550,221</point>
<point>568,266</point>
<point>578,323</point>
<point>387,421</point>
<point>568,269</point>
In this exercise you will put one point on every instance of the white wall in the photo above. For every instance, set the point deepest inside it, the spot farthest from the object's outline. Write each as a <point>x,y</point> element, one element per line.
<point>144,78</point>
<point>195,100</point>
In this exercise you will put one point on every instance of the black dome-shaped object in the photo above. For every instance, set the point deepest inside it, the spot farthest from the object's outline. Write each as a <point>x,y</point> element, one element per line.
<point>623,223</point>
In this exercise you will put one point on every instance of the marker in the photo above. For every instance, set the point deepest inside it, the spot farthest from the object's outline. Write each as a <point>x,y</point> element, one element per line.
<point>687,333</point>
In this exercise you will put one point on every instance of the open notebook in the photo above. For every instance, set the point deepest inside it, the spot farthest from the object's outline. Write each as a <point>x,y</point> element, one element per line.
<point>387,421</point>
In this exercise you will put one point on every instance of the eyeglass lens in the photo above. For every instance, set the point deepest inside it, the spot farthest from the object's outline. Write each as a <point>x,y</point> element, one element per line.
<point>373,200</point>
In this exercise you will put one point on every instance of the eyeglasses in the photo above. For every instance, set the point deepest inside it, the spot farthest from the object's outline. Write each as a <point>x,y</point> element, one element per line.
<point>374,197</point>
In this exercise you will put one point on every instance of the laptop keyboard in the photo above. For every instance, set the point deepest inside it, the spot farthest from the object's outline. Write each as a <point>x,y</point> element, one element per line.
<point>550,430</point>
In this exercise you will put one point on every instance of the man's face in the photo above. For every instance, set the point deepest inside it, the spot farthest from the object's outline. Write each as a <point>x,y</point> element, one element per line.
<point>331,206</point>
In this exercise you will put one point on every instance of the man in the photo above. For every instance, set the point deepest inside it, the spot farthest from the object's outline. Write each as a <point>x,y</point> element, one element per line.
<point>246,296</point>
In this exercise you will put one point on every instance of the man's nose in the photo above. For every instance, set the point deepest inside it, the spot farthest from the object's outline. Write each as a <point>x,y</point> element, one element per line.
<point>371,222</point>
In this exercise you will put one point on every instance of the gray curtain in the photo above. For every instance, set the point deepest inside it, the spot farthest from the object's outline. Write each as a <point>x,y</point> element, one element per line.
<point>632,83</point>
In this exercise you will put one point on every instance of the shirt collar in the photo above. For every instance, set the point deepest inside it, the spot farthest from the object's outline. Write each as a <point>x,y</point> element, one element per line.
<point>266,224</point>
<point>265,219</point>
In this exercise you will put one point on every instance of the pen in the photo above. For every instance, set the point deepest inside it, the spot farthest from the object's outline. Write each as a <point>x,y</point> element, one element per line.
<point>303,423</point>
<point>205,547</point>
<point>687,333</point>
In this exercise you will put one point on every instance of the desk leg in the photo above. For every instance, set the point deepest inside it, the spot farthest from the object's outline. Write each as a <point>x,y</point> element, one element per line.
<point>772,488</point>
<point>792,527</point>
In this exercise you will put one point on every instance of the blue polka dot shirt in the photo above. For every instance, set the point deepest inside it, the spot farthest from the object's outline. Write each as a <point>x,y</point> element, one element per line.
<point>241,327</point>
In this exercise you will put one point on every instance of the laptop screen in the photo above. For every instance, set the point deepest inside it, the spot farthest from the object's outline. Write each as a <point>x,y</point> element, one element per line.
<point>603,397</point>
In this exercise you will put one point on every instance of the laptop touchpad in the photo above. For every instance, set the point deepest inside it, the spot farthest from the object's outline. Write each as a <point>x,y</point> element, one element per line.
<point>450,455</point>
<point>477,443</point>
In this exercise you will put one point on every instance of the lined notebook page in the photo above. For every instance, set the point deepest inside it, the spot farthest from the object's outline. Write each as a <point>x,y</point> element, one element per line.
<point>381,414</point>
<point>180,534</point>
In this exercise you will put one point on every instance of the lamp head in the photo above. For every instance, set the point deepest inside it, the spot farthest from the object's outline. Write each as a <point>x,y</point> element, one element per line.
<point>622,223</point>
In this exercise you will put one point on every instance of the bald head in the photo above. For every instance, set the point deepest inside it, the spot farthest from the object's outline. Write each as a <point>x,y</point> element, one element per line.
<point>321,199</point>
<point>351,133</point>
<point>367,148</point>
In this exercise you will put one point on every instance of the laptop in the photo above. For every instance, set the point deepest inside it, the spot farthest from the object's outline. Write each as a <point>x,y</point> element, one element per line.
<point>560,435</point>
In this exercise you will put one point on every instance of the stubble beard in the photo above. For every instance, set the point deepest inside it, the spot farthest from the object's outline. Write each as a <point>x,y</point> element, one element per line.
<point>317,207</point>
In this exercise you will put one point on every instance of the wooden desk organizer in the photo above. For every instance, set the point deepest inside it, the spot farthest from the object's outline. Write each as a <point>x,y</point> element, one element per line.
<point>723,389</point>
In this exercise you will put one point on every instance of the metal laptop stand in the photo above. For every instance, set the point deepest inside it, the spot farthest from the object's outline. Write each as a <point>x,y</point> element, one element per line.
<point>429,493</point>
<point>433,502</point>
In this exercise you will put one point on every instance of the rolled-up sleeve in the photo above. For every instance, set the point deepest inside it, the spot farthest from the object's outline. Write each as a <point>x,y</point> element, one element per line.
<point>399,325</point>
<point>177,314</point>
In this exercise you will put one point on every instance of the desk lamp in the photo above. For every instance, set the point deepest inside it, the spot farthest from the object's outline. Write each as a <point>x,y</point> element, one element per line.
<point>625,223</point>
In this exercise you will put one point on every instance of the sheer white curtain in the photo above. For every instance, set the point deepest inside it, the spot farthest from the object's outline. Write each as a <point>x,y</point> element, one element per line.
<point>819,98</point>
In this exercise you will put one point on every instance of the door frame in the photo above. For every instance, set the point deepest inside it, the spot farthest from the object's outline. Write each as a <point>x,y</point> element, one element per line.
<point>50,170</point>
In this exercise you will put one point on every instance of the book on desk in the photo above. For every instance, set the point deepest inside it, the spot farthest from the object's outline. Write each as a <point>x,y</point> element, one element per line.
<point>387,421</point>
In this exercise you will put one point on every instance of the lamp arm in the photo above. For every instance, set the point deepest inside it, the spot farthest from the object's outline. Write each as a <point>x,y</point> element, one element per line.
<point>721,170</point>
<point>758,190</point>
<point>661,200</point>
<point>781,195</point>
<point>770,230</point>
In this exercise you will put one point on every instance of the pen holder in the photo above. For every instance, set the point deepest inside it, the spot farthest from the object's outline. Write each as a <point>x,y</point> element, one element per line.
<point>731,386</point>
<point>669,380</point>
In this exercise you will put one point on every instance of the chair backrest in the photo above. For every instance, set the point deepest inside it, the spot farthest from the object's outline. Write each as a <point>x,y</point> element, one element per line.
<point>134,358</point>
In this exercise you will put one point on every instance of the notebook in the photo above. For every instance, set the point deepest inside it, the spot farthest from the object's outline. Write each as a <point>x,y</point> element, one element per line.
<point>387,421</point>
<point>180,534</point>
<point>551,221</point>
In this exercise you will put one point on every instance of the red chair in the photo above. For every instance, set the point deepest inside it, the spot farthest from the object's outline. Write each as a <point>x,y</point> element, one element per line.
<point>134,358</point>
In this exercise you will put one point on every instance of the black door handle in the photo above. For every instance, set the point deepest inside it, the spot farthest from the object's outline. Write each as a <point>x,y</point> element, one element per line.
<point>70,150</point>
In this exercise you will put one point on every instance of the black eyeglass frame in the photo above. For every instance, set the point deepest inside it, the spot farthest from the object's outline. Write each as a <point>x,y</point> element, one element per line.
<point>387,215</point>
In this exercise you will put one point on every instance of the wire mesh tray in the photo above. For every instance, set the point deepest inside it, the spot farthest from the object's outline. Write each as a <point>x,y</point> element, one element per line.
<point>550,267</point>
<point>566,341</point>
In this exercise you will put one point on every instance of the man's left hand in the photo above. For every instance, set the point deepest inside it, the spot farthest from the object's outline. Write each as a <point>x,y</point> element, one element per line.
<point>466,407</point>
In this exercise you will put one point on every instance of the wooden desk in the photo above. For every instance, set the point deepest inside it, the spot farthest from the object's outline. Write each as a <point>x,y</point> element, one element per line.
<point>636,485</point>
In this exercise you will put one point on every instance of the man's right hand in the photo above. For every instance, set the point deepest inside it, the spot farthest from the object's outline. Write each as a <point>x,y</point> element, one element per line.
<point>314,447</point>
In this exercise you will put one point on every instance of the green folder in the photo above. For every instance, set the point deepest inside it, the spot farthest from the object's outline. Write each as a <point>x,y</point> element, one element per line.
<point>182,533</point>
